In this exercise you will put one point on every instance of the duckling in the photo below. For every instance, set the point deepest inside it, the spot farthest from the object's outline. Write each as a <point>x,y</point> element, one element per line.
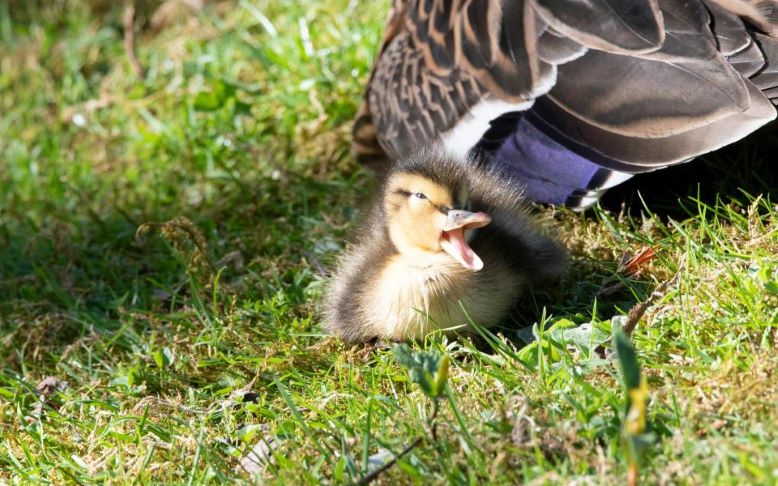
<point>445,242</point>
<point>570,97</point>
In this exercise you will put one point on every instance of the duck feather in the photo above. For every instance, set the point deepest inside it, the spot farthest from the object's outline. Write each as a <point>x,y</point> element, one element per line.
<point>644,83</point>
<point>626,27</point>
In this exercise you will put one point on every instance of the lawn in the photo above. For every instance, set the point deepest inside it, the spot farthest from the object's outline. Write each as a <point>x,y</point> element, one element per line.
<point>164,235</point>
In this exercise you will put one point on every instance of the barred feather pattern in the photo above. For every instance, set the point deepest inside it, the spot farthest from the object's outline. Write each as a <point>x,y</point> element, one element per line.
<point>640,84</point>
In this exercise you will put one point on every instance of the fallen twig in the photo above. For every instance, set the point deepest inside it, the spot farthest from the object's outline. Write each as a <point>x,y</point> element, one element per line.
<point>610,289</point>
<point>433,434</point>
<point>629,267</point>
<point>637,310</point>
<point>374,475</point>
<point>316,263</point>
<point>129,40</point>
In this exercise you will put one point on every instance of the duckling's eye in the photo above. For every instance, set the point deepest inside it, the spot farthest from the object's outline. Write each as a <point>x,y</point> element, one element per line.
<point>419,195</point>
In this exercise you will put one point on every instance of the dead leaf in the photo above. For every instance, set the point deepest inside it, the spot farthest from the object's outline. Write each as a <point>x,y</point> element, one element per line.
<point>637,263</point>
<point>51,385</point>
<point>630,266</point>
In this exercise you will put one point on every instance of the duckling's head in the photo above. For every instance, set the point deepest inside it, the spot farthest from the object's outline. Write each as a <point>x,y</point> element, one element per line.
<point>427,210</point>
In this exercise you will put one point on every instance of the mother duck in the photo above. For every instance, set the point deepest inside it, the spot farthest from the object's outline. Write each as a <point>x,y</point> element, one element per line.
<point>570,97</point>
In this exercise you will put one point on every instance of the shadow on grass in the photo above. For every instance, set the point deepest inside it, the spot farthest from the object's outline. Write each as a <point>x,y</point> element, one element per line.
<point>85,273</point>
<point>576,297</point>
<point>749,166</point>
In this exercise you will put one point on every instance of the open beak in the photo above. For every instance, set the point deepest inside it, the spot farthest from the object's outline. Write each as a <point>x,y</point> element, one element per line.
<point>453,240</point>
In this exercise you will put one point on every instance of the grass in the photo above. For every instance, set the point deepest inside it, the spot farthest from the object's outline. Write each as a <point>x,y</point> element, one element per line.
<point>155,265</point>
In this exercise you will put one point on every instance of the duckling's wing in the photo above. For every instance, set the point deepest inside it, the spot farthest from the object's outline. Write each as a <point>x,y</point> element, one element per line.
<point>623,85</point>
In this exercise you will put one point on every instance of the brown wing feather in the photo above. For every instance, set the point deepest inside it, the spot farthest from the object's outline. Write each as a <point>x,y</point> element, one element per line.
<point>365,142</point>
<point>406,83</point>
<point>762,13</point>
<point>625,27</point>
<point>624,70</point>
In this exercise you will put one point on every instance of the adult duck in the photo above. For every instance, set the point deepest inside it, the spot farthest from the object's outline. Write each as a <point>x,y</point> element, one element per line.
<point>570,97</point>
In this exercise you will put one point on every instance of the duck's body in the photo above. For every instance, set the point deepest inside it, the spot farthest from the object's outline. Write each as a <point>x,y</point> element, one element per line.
<point>401,280</point>
<point>571,98</point>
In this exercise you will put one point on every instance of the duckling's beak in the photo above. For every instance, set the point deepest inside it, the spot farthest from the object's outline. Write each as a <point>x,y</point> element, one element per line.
<point>453,239</point>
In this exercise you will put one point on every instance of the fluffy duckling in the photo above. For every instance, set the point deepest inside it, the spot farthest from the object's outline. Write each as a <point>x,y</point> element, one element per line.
<point>445,242</point>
